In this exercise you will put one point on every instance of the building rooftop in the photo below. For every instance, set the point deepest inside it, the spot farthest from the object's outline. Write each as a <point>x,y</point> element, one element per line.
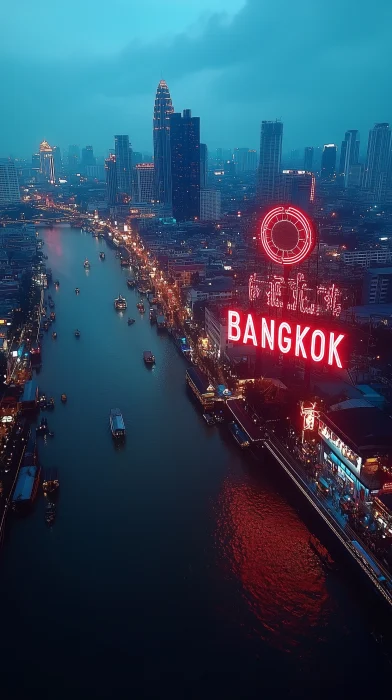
<point>366,427</point>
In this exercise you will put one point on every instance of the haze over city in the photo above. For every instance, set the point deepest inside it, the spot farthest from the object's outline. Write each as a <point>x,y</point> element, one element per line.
<point>81,72</point>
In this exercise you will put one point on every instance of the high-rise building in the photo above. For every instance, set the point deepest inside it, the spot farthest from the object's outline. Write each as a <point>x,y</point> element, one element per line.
<point>245,160</point>
<point>35,162</point>
<point>9,185</point>
<point>88,158</point>
<point>222,156</point>
<point>349,155</point>
<point>58,163</point>
<point>328,161</point>
<point>137,158</point>
<point>203,165</point>
<point>145,182</point>
<point>124,165</point>
<point>73,159</point>
<point>163,109</point>
<point>308,158</point>
<point>210,205</point>
<point>270,161</point>
<point>47,167</point>
<point>378,161</point>
<point>298,188</point>
<point>185,165</point>
<point>111,180</point>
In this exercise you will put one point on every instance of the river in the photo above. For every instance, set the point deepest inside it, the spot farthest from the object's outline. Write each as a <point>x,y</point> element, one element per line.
<point>176,565</point>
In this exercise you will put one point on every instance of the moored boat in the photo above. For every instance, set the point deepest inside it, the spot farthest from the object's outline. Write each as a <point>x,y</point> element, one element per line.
<point>54,335</point>
<point>239,436</point>
<point>120,304</point>
<point>116,422</point>
<point>50,482</point>
<point>140,307</point>
<point>26,486</point>
<point>148,357</point>
<point>131,283</point>
<point>52,316</point>
<point>50,513</point>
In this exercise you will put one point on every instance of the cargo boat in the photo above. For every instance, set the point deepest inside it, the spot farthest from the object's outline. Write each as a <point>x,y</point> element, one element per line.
<point>148,357</point>
<point>26,486</point>
<point>116,421</point>
<point>120,303</point>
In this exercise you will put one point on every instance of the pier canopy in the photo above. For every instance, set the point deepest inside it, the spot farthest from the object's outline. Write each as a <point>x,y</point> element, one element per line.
<point>244,420</point>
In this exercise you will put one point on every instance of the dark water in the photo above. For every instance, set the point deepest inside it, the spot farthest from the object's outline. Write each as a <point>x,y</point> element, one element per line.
<point>176,567</point>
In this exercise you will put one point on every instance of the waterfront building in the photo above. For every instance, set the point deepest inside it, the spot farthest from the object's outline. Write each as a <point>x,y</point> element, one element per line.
<point>201,387</point>
<point>185,165</point>
<point>163,109</point>
<point>210,205</point>
<point>328,161</point>
<point>203,166</point>
<point>377,285</point>
<point>9,185</point>
<point>215,289</point>
<point>124,165</point>
<point>298,187</point>
<point>308,158</point>
<point>145,178</point>
<point>215,323</point>
<point>111,180</point>
<point>185,272</point>
<point>378,161</point>
<point>47,168</point>
<point>349,155</point>
<point>245,160</point>
<point>270,161</point>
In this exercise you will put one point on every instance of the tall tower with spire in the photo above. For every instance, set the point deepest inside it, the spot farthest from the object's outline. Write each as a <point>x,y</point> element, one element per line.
<point>163,108</point>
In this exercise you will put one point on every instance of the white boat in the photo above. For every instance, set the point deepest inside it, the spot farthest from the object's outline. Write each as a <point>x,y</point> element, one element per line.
<point>120,304</point>
<point>117,425</point>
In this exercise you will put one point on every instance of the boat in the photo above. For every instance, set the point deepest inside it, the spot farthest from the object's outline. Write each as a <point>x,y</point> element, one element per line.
<point>102,255</point>
<point>77,333</point>
<point>54,335</point>
<point>51,304</point>
<point>209,418</point>
<point>131,283</point>
<point>46,326</point>
<point>86,264</point>
<point>50,482</point>
<point>153,316</point>
<point>321,552</point>
<point>148,357</point>
<point>239,436</point>
<point>116,421</point>
<point>52,316</point>
<point>26,486</point>
<point>131,321</point>
<point>57,284</point>
<point>50,403</point>
<point>63,398</point>
<point>50,513</point>
<point>120,304</point>
<point>125,262</point>
<point>140,307</point>
<point>77,290</point>
<point>42,428</point>
<point>161,322</point>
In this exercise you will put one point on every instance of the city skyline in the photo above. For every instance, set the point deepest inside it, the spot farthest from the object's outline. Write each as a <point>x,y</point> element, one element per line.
<point>221,69</point>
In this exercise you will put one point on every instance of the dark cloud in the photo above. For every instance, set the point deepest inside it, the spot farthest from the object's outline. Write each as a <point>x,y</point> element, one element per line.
<point>323,67</point>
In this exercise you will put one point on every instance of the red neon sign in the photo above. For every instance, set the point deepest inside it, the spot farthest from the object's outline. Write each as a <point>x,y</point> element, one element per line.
<point>287,235</point>
<point>287,337</point>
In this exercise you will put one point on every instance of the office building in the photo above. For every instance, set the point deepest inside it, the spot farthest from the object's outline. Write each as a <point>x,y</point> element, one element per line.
<point>377,286</point>
<point>47,168</point>
<point>349,155</point>
<point>270,161</point>
<point>163,109</point>
<point>203,165</point>
<point>73,159</point>
<point>137,158</point>
<point>308,158</point>
<point>185,165</point>
<point>88,158</point>
<point>123,154</point>
<point>328,161</point>
<point>366,258</point>
<point>245,160</point>
<point>298,188</point>
<point>378,158</point>
<point>222,156</point>
<point>35,164</point>
<point>9,185</point>
<point>210,205</point>
<point>58,163</point>
<point>145,182</point>
<point>111,180</point>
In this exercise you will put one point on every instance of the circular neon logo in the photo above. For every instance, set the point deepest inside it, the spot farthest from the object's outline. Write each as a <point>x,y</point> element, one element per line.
<point>287,235</point>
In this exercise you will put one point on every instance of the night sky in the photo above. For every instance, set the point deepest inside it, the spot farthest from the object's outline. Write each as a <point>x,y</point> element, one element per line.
<point>79,72</point>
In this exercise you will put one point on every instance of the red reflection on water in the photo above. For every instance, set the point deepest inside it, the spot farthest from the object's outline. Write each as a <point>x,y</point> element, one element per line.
<point>263,543</point>
<point>53,241</point>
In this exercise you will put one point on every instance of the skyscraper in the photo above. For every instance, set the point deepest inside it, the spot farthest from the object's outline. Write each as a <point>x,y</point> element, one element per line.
<point>111,180</point>
<point>88,158</point>
<point>210,205</point>
<point>144,182</point>
<point>298,188</point>
<point>203,165</point>
<point>328,161</point>
<point>47,162</point>
<point>73,159</point>
<point>185,165</point>
<point>349,156</point>
<point>9,185</point>
<point>58,164</point>
<point>163,108</point>
<point>308,158</point>
<point>378,161</point>
<point>270,161</point>
<point>124,165</point>
<point>245,160</point>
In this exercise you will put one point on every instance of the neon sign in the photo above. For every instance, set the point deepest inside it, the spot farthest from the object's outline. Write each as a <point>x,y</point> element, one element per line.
<point>287,235</point>
<point>323,299</point>
<point>309,414</point>
<point>286,337</point>
<point>348,455</point>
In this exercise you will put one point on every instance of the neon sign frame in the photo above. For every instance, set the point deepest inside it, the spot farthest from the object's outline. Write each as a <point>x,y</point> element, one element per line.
<point>306,236</point>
